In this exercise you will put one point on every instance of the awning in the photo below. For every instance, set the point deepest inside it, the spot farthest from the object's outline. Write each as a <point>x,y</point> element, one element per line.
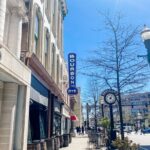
<point>74,118</point>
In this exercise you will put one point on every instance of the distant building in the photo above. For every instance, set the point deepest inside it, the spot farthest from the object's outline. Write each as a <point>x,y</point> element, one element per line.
<point>78,109</point>
<point>132,105</point>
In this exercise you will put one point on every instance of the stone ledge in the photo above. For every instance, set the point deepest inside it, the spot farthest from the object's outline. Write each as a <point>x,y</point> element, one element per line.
<point>10,64</point>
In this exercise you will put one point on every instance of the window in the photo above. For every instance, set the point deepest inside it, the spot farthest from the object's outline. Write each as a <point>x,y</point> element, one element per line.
<point>53,61</point>
<point>46,42</point>
<point>54,18</point>
<point>57,125</point>
<point>57,69</point>
<point>38,121</point>
<point>46,47</point>
<point>36,33</point>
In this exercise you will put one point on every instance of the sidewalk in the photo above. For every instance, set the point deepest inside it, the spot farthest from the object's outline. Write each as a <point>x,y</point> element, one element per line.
<point>80,142</point>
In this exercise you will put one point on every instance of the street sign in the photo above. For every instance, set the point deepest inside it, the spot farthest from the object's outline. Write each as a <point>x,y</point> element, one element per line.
<point>72,90</point>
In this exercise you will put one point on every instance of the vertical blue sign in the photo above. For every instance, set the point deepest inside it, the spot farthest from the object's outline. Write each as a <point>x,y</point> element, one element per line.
<point>72,90</point>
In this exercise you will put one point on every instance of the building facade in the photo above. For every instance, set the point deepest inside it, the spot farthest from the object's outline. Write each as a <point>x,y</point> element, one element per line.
<point>134,105</point>
<point>42,51</point>
<point>34,105</point>
<point>15,78</point>
<point>78,109</point>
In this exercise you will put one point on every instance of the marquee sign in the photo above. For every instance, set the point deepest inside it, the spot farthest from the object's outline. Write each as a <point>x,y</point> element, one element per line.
<point>72,90</point>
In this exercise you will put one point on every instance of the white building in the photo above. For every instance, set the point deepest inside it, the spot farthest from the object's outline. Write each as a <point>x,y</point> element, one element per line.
<point>14,78</point>
<point>33,72</point>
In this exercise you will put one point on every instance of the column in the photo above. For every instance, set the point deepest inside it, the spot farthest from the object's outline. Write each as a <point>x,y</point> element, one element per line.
<point>26,117</point>
<point>18,131</point>
<point>15,32</point>
<point>2,18</point>
<point>7,121</point>
<point>1,96</point>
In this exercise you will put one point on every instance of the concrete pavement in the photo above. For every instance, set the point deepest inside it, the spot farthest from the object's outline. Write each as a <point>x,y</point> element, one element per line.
<point>80,142</point>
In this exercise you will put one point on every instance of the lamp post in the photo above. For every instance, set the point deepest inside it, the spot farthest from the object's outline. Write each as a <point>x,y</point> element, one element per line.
<point>145,34</point>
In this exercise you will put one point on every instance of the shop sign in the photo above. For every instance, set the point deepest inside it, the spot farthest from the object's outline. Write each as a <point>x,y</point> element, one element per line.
<point>72,90</point>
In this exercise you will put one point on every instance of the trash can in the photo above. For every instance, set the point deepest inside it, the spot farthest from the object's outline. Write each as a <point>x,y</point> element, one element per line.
<point>61,138</point>
<point>50,143</point>
<point>66,140</point>
<point>98,141</point>
<point>70,137</point>
<point>57,143</point>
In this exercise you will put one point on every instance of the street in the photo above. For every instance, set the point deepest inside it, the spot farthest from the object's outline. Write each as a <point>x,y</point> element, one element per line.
<point>142,139</point>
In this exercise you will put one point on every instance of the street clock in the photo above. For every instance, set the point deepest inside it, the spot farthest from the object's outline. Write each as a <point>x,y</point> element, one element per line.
<point>110,98</point>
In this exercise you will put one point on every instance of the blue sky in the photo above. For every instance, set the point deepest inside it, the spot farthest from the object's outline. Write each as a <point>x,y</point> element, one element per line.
<point>83,19</point>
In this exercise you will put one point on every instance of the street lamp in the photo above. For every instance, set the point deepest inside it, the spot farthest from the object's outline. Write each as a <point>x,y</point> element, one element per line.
<point>145,34</point>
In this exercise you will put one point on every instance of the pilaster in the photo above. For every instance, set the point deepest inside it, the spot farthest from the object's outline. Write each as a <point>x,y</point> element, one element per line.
<point>2,18</point>
<point>19,119</point>
<point>1,96</point>
<point>8,112</point>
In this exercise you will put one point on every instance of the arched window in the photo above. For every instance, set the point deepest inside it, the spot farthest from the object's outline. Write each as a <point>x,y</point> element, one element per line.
<point>53,61</point>
<point>36,33</point>
<point>58,69</point>
<point>46,48</point>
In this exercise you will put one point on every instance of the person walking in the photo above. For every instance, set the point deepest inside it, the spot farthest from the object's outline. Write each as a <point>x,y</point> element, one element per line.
<point>79,130</point>
<point>83,130</point>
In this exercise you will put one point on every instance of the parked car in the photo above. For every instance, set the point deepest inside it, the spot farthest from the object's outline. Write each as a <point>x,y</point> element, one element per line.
<point>146,130</point>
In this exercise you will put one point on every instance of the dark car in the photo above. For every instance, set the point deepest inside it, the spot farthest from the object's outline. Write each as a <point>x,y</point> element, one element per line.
<point>147,130</point>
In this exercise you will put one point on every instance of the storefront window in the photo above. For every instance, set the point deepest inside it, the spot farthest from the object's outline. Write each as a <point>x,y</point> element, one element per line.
<point>38,122</point>
<point>42,123</point>
<point>57,125</point>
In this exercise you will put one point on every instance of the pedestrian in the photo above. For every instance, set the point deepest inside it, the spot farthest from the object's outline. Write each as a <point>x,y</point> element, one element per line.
<point>136,129</point>
<point>82,130</point>
<point>99,130</point>
<point>79,130</point>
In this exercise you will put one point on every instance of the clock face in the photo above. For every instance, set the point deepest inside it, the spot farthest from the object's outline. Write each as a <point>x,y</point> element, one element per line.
<point>110,98</point>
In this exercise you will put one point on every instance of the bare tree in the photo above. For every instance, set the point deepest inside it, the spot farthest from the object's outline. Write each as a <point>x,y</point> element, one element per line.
<point>115,62</point>
<point>93,97</point>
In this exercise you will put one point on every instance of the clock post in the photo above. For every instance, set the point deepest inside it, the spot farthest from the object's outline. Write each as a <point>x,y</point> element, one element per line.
<point>112,132</point>
<point>110,98</point>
